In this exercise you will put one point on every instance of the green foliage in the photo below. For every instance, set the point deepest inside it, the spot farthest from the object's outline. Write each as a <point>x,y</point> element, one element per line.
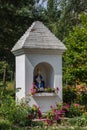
<point>17,114</point>
<point>16,17</point>
<point>75,110</point>
<point>59,15</point>
<point>5,124</point>
<point>78,121</point>
<point>72,121</point>
<point>81,122</point>
<point>5,70</point>
<point>34,112</point>
<point>75,61</point>
<point>83,100</point>
<point>70,11</point>
<point>69,94</point>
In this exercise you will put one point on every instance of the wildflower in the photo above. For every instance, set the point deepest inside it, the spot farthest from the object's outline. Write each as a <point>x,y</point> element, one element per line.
<point>33,89</point>
<point>66,107</point>
<point>48,121</point>
<point>76,105</point>
<point>59,112</point>
<point>51,107</point>
<point>39,113</point>
<point>57,89</point>
<point>57,117</point>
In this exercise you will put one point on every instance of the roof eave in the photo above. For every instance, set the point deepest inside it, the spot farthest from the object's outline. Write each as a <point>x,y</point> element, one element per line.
<point>38,51</point>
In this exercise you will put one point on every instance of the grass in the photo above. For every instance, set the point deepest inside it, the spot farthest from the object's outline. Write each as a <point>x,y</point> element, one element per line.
<point>59,128</point>
<point>10,85</point>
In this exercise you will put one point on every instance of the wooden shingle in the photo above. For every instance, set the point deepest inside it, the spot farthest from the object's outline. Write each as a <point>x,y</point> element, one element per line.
<point>38,36</point>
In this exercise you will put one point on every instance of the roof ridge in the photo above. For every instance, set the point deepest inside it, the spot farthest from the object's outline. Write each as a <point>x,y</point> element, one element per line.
<point>27,33</point>
<point>38,35</point>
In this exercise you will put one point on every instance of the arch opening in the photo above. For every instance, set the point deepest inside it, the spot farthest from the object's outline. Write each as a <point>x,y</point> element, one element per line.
<point>47,73</point>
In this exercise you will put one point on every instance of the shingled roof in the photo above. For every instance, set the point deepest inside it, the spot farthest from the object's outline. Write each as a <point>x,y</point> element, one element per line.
<point>38,36</point>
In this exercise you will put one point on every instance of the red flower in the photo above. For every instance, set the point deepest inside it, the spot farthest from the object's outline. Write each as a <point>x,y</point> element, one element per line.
<point>48,121</point>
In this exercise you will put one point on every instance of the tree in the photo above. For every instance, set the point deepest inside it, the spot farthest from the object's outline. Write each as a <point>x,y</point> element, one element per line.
<point>70,11</point>
<point>15,17</point>
<point>75,59</point>
<point>52,15</point>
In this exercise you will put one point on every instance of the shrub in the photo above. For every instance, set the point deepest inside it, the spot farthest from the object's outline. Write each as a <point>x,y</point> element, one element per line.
<point>6,105</point>
<point>34,112</point>
<point>81,122</point>
<point>55,113</point>
<point>69,94</point>
<point>17,114</point>
<point>5,124</point>
<point>75,110</point>
<point>81,91</point>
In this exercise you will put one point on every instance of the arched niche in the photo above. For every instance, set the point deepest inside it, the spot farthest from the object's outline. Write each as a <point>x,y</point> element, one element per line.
<point>47,72</point>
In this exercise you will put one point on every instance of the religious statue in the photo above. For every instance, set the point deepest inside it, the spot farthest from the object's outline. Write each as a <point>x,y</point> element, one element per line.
<point>38,80</point>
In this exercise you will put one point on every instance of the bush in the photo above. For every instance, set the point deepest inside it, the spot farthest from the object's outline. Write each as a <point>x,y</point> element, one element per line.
<point>5,124</point>
<point>17,114</point>
<point>75,110</point>
<point>69,94</point>
<point>81,91</point>
<point>81,122</point>
<point>35,112</point>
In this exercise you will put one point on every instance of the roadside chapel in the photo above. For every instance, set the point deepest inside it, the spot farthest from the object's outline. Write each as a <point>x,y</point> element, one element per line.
<point>38,55</point>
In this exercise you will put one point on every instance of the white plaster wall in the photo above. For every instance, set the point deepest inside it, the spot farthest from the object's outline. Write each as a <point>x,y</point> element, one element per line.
<point>25,65</point>
<point>28,75</point>
<point>44,102</point>
<point>54,60</point>
<point>20,76</point>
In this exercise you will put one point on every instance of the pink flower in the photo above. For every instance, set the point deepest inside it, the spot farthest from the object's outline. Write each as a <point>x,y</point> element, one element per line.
<point>76,105</point>
<point>57,89</point>
<point>57,117</point>
<point>39,113</point>
<point>59,112</point>
<point>66,107</point>
<point>51,107</point>
<point>49,121</point>
<point>33,91</point>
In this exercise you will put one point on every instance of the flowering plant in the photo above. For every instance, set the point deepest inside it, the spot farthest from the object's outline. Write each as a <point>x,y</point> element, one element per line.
<point>35,112</point>
<point>55,113</point>
<point>35,90</point>
<point>76,110</point>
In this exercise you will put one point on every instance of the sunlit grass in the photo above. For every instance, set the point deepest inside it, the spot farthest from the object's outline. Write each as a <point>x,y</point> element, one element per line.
<point>10,85</point>
<point>59,128</point>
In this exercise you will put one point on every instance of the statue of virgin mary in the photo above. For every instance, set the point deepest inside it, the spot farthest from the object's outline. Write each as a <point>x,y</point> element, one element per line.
<point>38,80</point>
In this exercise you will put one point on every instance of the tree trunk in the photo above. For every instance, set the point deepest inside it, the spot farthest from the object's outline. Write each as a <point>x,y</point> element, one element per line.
<point>11,76</point>
<point>4,76</point>
<point>4,79</point>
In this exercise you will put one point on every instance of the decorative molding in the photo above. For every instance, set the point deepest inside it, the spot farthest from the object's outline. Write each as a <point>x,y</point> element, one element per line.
<point>44,94</point>
<point>38,51</point>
